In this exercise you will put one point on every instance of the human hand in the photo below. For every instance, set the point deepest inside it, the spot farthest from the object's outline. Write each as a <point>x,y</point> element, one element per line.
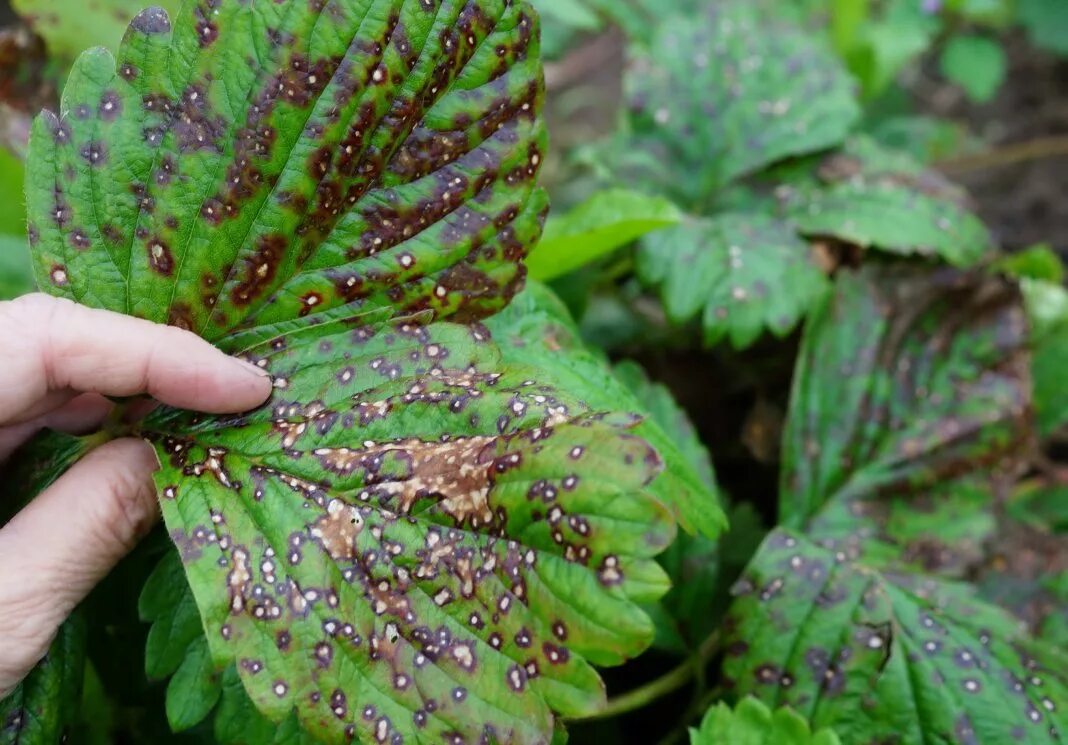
<point>60,360</point>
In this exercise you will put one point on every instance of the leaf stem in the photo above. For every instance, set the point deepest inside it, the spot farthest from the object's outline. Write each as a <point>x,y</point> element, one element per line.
<point>666,684</point>
<point>1006,155</point>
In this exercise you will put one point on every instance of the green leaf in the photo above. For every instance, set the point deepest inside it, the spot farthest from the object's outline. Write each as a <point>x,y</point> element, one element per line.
<point>975,63</point>
<point>889,42</point>
<point>12,203</point>
<point>194,689</point>
<point>16,274</point>
<point>656,400</point>
<point>1039,262</point>
<point>43,708</point>
<point>536,330</point>
<point>262,162</point>
<point>573,13</point>
<point>69,27</point>
<point>604,223</point>
<point>726,91</point>
<point>753,723</point>
<point>907,377</point>
<point>167,603</point>
<point>744,273</point>
<point>237,721</point>
<point>410,521</point>
<point>878,198</point>
<point>1047,23</point>
<point>887,657</point>
<point>1051,394</point>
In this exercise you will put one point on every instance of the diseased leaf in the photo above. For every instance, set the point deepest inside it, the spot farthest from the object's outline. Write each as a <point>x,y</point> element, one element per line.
<point>43,708</point>
<point>69,28</point>
<point>604,223</point>
<point>263,162</point>
<point>412,539</point>
<point>194,689</point>
<point>887,657</point>
<point>877,198</point>
<point>237,721</point>
<point>536,330</point>
<point>743,273</point>
<point>753,723</point>
<point>732,88</point>
<point>908,375</point>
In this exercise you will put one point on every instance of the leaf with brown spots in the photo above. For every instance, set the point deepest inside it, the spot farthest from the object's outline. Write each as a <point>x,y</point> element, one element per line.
<point>885,657</point>
<point>414,541</point>
<point>254,163</point>
<point>537,330</point>
<point>866,195</point>
<point>741,274</point>
<point>730,89</point>
<point>910,377</point>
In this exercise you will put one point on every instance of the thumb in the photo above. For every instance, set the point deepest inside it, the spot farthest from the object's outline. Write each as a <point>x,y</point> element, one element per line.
<point>64,542</point>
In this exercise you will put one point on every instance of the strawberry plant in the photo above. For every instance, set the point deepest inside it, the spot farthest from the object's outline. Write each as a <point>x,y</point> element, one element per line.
<point>753,439</point>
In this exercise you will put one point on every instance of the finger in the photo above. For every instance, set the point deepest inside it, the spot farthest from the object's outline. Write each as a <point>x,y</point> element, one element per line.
<point>64,542</point>
<point>82,415</point>
<point>55,345</point>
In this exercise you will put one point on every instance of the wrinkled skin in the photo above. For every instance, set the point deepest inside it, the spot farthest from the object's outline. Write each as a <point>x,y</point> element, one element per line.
<point>60,361</point>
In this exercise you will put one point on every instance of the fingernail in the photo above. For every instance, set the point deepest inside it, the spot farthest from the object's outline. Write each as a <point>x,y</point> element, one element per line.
<point>249,367</point>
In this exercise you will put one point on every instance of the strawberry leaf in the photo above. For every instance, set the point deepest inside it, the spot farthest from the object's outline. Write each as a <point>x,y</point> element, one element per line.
<point>43,708</point>
<point>907,377</point>
<point>734,88</point>
<point>396,543</point>
<point>742,273</point>
<point>753,723</point>
<point>263,162</point>
<point>537,330</point>
<point>872,197</point>
<point>886,657</point>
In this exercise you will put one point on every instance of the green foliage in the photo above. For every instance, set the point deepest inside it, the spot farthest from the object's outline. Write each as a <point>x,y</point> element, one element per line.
<point>96,22</point>
<point>16,274</point>
<point>334,549</point>
<point>1046,22</point>
<point>12,209</point>
<point>753,723</point>
<point>742,273</point>
<point>731,90</point>
<point>872,197</point>
<point>41,710</point>
<point>887,656</point>
<point>188,183</point>
<point>537,331</point>
<point>976,63</point>
<point>1051,395</point>
<point>607,221</point>
<point>906,377</point>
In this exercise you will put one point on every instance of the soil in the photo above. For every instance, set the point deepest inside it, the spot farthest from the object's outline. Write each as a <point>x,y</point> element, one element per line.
<point>1023,203</point>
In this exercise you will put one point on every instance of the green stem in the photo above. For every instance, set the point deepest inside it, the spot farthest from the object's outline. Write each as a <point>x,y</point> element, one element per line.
<point>662,686</point>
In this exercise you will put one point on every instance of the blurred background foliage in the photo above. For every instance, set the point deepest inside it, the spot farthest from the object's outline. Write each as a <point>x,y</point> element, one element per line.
<point>714,165</point>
